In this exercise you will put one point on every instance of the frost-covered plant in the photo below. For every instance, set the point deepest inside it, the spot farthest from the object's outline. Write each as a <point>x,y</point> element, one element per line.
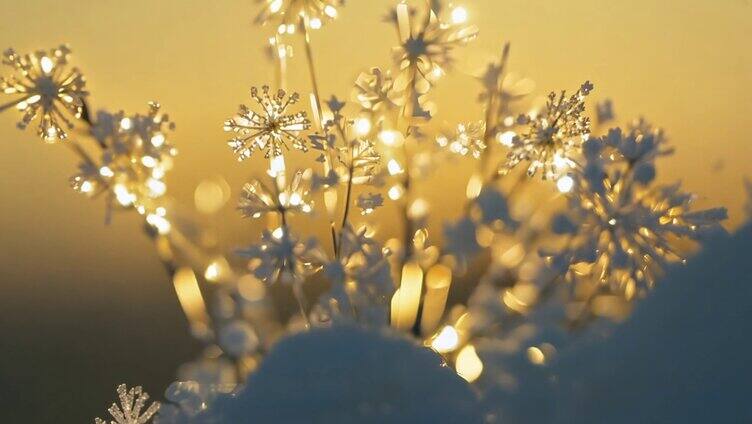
<point>553,136</point>
<point>45,90</point>
<point>291,12</point>
<point>130,409</point>
<point>134,161</point>
<point>271,130</point>
<point>623,229</point>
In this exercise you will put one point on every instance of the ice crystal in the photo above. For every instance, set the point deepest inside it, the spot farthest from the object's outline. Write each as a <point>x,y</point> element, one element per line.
<point>131,403</point>
<point>187,402</point>
<point>281,257</point>
<point>44,89</point>
<point>627,230</point>
<point>426,45</point>
<point>271,130</point>
<point>361,160</point>
<point>257,199</point>
<point>135,158</point>
<point>553,137</point>
<point>466,140</point>
<point>290,12</point>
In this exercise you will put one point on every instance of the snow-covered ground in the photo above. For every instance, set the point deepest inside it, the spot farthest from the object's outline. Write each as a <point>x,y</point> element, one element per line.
<point>682,357</point>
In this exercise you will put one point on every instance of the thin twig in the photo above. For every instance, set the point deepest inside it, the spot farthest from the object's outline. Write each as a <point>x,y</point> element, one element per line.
<point>312,69</point>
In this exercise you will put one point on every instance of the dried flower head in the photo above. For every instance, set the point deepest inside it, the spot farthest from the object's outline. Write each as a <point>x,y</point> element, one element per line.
<point>369,202</point>
<point>360,277</point>
<point>131,403</point>
<point>271,129</point>
<point>554,136</point>
<point>374,92</point>
<point>361,159</point>
<point>257,199</point>
<point>638,147</point>
<point>503,86</point>
<point>290,12</point>
<point>624,231</point>
<point>467,139</point>
<point>426,46</point>
<point>135,158</point>
<point>281,257</point>
<point>44,90</point>
<point>345,154</point>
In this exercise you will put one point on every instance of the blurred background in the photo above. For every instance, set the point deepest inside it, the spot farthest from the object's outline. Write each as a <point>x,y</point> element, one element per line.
<point>86,306</point>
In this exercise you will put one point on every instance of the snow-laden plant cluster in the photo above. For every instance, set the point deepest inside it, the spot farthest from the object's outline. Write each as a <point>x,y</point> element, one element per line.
<point>529,266</point>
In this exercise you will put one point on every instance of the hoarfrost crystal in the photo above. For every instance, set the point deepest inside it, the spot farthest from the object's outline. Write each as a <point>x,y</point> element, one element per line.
<point>45,90</point>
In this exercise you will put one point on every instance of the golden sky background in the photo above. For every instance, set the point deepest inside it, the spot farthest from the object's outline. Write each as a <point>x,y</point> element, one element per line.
<point>685,65</point>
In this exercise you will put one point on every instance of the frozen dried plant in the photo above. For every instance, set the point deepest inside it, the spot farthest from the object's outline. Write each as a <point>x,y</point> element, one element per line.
<point>130,409</point>
<point>258,199</point>
<point>291,12</point>
<point>360,278</point>
<point>280,257</point>
<point>426,47</point>
<point>374,91</point>
<point>45,90</point>
<point>501,88</point>
<point>134,160</point>
<point>272,129</point>
<point>348,158</point>
<point>621,229</point>
<point>344,149</point>
<point>553,137</point>
<point>624,230</point>
<point>466,140</point>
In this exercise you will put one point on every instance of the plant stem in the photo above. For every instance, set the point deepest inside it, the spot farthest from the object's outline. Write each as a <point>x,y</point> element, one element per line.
<point>334,238</point>
<point>348,200</point>
<point>312,71</point>
<point>493,108</point>
<point>297,287</point>
<point>12,103</point>
<point>281,64</point>
<point>409,108</point>
<point>297,290</point>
